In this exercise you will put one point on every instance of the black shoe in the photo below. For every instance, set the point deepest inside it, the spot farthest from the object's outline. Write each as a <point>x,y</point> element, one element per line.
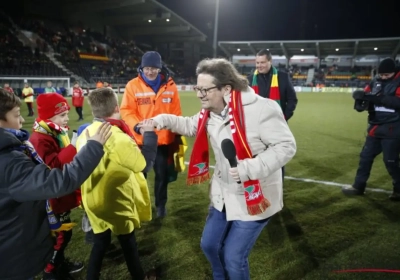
<point>352,191</point>
<point>73,267</point>
<point>395,196</point>
<point>161,212</point>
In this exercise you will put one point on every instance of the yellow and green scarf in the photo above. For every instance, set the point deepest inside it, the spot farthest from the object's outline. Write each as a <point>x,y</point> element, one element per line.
<point>49,128</point>
<point>274,92</point>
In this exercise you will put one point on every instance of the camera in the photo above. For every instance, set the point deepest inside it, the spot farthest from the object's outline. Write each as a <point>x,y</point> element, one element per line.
<point>376,89</point>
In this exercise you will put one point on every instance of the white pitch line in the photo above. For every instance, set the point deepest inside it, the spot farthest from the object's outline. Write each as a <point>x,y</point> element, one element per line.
<point>326,183</point>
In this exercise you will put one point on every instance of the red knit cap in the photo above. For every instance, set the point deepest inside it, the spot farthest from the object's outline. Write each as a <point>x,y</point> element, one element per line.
<point>51,104</point>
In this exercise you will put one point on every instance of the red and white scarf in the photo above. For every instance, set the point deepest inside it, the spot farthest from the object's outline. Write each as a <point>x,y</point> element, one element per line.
<point>199,161</point>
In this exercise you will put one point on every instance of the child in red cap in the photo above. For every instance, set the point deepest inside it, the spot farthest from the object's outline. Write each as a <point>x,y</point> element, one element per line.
<point>51,141</point>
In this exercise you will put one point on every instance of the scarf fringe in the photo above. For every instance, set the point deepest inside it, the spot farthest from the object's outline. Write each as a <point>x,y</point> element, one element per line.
<point>255,200</point>
<point>198,179</point>
<point>259,208</point>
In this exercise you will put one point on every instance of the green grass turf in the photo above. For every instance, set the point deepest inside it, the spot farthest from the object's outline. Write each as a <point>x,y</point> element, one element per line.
<point>318,231</point>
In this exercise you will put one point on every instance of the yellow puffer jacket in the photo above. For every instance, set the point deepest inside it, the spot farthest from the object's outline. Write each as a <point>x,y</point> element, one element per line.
<point>116,195</point>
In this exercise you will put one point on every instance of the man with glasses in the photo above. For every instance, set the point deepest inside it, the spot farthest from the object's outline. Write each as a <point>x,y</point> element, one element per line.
<point>381,98</point>
<point>152,93</point>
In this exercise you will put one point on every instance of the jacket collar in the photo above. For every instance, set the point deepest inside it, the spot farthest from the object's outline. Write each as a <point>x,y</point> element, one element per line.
<point>248,96</point>
<point>8,140</point>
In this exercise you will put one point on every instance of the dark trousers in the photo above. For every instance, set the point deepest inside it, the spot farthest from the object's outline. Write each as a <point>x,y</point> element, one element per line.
<point>62,240</point>
<point>79,112</point>
<point>161,176</point>
<point>30,108</point>
<point>374,146</point>
<point>101,242</point>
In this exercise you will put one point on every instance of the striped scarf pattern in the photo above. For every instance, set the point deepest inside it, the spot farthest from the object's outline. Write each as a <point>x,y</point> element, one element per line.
<point>274,92</point>
<point>198,171</point>
<point>199,160</point>
<point>50,128</point>
<point>255,200</point>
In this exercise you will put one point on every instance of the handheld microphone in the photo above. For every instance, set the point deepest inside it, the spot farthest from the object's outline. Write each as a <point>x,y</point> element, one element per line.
<point>229,151</point>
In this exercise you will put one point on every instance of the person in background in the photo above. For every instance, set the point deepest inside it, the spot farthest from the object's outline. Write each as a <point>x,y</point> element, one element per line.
<point>8,88</point>
<point>381,99</point>
<point>26,244</point>
<point>77,100</point>
<point>27,95</point>
<point>49,88</point>
<point>243,198</point>
<point>269,82</point>
<point>153,92</point>
<point>107,85</point>
<point>99,84</point>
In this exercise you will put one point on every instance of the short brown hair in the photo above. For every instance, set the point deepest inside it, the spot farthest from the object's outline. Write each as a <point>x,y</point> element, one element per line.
<point>224,73</point>
<point>265,52</point>
<point>103,102</point>
<point>8,101</point>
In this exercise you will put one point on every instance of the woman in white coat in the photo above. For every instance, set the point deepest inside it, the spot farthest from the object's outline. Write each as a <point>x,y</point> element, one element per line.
<point>243,198</point>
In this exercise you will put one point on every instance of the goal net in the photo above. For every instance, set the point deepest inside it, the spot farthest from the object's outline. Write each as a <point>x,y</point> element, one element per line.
<point>62,85</point>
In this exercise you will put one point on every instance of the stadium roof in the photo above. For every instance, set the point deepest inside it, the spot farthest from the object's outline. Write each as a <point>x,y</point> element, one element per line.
<point>133,18</point>
<point>318,48</point>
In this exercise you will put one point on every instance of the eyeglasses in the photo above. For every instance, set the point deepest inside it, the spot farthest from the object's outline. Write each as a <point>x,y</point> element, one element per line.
<point>203,91</point>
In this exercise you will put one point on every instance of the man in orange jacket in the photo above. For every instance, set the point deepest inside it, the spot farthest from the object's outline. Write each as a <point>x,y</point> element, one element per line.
<point>152,93</point>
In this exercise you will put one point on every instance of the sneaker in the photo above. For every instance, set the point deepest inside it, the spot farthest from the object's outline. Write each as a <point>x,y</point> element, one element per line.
<point>395,196</point>
<point>161,212</point>
<point>73,267</point>
<point>352,191</point>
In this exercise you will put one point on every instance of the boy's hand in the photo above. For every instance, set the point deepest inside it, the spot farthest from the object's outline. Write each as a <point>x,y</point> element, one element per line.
<point>147,125</point>
<point>102,134</point>
<point>74,138</point>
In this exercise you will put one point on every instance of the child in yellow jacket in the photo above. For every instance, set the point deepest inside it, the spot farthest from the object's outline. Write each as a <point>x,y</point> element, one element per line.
<point>116,196</point>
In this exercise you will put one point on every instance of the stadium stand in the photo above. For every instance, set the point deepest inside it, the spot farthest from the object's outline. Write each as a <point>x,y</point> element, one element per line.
<point>89,56</point>
<point>59,48</point>
<point>19,60</point>
<point>334,63</point>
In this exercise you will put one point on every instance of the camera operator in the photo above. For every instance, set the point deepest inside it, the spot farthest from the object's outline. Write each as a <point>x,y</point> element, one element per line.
<point>381,98</point>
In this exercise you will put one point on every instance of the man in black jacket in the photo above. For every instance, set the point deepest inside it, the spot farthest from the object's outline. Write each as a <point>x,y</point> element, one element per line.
<point>262,81</point>
<point>26,244</point>
<point>382,100</point>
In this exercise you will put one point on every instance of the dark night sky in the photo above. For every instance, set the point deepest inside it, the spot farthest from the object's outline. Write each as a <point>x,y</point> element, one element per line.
<point>292,19</point>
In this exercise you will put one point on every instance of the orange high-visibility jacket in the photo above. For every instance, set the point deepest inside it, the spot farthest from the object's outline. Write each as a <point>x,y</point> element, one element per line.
<point>140,102</point>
